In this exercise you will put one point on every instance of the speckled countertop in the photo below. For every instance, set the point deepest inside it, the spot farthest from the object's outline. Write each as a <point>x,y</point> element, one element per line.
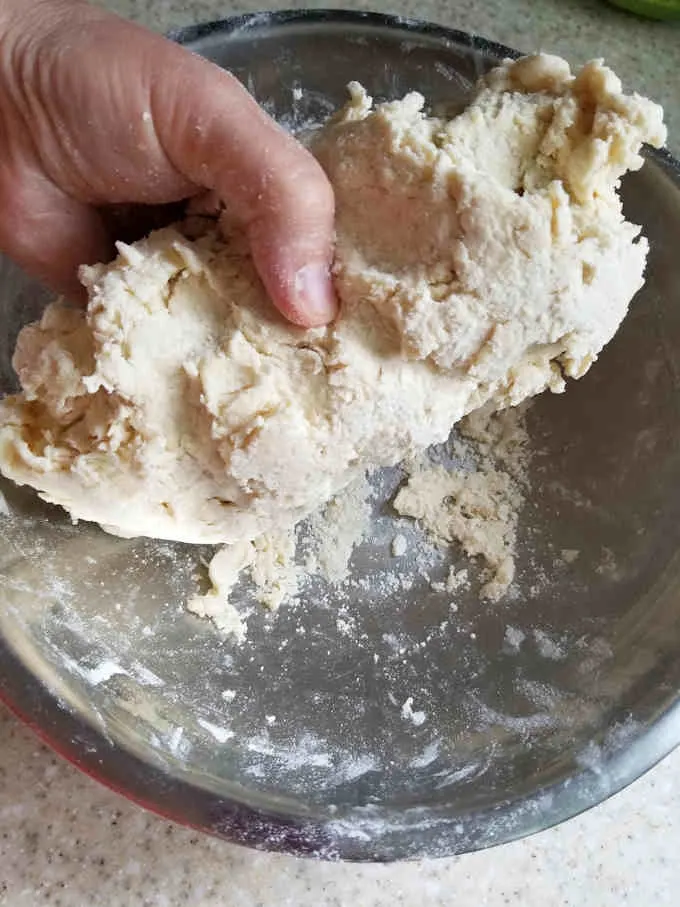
<point>67,842</point>
<point>64,840</point>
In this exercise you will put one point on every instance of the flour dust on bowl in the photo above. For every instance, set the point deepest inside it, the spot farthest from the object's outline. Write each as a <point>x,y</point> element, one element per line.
<point>394,714</point>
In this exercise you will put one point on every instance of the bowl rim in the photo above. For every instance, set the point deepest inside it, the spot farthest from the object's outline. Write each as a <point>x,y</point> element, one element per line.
<point>364,835</point>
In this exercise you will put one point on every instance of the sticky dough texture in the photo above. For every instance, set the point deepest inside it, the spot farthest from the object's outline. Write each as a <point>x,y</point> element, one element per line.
<point>482,258</point>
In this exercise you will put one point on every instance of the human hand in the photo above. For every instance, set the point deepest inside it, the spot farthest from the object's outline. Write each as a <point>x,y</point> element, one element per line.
<point>97,111</point>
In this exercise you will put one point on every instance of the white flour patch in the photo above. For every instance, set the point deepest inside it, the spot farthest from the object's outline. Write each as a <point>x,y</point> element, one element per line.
<point>220,734</point>
<point>415,716</point>
<point>513,639</point>
<point>548,646</point>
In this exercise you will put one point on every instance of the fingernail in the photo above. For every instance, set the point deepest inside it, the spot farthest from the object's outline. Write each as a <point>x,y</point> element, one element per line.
<point>315,295</point>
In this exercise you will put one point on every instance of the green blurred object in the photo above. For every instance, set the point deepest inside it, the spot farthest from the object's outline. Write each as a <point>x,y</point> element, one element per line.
<point>653,9</point>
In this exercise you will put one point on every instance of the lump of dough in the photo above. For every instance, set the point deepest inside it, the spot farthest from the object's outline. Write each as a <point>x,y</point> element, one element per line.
<point>482,258</point>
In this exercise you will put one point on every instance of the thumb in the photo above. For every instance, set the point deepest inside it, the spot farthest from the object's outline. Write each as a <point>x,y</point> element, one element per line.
<point>215,134</point>
<point>291,239</point>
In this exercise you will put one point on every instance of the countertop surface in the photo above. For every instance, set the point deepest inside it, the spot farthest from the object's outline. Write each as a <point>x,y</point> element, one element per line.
<point>64,840</point>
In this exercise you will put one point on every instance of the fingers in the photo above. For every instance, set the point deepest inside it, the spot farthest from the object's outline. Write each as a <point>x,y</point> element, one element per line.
<point>291,238</point>
<point>50,234</point>
<point>214,132</point>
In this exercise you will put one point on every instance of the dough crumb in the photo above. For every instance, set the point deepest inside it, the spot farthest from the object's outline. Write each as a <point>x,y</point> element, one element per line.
<point>277,563</point>
<point>216,606</point>
<point>548,646</point>
<point>475,507</point>
<point>269,563</point>
<point>479,258</point>
<point>399,545</point>
<point>513,639</point>
<point>408,713</point>
<point>457,579</point>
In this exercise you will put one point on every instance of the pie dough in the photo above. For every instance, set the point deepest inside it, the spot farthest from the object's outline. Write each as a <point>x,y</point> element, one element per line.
<point>481,258</point>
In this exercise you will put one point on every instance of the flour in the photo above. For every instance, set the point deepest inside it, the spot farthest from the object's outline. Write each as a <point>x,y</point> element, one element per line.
<point>569,555</point>
<point>336,529</point>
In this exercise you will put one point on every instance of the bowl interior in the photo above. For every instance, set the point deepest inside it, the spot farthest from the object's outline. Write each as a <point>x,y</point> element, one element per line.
<point>304,723</point>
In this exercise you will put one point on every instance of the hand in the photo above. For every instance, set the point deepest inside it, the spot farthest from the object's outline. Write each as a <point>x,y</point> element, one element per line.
<point>97,111</point>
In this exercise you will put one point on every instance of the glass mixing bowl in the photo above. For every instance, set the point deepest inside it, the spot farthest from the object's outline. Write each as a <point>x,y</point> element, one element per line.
<point>533,709</point>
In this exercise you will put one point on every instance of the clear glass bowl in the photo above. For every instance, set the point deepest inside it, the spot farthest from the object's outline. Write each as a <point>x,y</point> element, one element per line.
<point>296,741</point>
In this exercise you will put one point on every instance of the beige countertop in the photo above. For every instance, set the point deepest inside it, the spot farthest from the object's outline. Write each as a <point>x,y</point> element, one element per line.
<point>64,840</point>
